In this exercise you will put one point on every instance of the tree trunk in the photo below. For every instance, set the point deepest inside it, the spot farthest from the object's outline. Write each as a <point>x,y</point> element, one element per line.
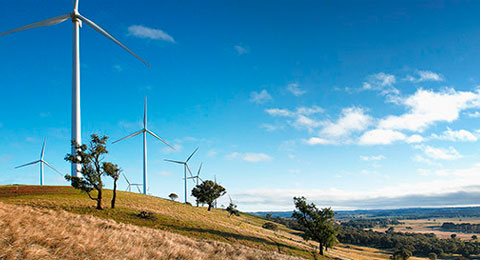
<point>209,206</point>
<point>99,199</point>
<point>114,193</point>
<point>320,248</point>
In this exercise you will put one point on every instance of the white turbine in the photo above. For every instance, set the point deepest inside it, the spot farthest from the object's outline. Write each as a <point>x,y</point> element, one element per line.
<point>129,187</point>
<point>144,130</point>
<point>185,169</point>
<point>77,19</point>
<point>41,161</point>
<point>196,178</point>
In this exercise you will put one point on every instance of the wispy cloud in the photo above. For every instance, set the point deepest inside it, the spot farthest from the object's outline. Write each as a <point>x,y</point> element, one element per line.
<point>249,157</point>
<point>449,153</point>
<point>318,141</point>
<point>381,82</point>
<point>260,97</point>
<point>241,50</point>
<point>425,75</point>
<point>352,119</point>
<point>141,31</point>
<point>456,135</point>
<point>372,157</point>
<point>427,107</point>
<point>295,89</point>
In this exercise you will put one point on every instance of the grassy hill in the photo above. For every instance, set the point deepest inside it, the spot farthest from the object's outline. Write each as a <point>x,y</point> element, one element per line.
<point>49,218</point>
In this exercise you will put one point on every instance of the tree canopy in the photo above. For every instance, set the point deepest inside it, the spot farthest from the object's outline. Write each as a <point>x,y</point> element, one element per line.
<point>207,192</point>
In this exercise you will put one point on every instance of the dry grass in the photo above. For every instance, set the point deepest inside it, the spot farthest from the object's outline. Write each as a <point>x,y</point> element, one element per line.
<point>433,226</point>
<point>38,233</point>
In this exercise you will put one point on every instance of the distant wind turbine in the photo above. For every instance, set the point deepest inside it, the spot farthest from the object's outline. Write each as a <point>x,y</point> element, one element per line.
<point>129,187</point>
<point>185,169</point>
<point>144,131</point>
<point>41,161</point>
<point>196,178</point>
<point>77,19</point>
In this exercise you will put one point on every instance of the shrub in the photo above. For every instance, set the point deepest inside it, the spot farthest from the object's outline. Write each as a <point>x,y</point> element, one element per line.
<point>270,225</point>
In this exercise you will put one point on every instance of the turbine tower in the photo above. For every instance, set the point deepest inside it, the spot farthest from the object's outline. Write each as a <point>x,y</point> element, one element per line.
<point>144,131</point>
<point>185,169</point>
<point>41,161</point>
<point>77,20</point>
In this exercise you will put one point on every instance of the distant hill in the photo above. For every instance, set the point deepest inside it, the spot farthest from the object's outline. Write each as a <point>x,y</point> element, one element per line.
<point>53,222</point>
<point>410,213</point>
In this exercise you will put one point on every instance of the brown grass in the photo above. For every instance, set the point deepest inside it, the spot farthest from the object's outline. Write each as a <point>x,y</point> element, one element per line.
<point>39,233</point>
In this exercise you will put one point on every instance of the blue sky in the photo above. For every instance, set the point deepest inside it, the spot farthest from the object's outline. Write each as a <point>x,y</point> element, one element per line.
<point>352,104</point>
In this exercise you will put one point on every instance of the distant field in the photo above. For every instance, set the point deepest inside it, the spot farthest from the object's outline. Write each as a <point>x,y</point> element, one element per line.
<point>433,226</point>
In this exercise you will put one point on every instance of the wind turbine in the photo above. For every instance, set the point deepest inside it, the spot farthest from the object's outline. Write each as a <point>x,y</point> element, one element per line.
<point>185,168</point>
<point>144,131</point>
<point>129,187</point>
<point>77,20</point>
<point>41,161</point>
<point>197,177</point>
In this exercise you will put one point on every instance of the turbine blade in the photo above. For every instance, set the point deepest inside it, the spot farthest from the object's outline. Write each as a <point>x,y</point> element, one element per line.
<point>156,136</point>
<point>51,167</point>
<point>138,188</point>
<point>199,169</point>
<point>188,168</point>
<point>48,22</point>
<point>23,165</point>
<point>75,4</point>
<point>126,179</point>
<point>106,34</point>
<point>43,149</point>
<point>128,136</point>
<point>179,162</point>
<point>192,155</point>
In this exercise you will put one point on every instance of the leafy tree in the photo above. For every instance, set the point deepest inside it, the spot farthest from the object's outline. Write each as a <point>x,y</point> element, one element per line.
<point>173,196</point>
<point>90,157</point>
<point>453,236</point>
<point>113,171</point>
<point>270,225</point>
<point>232,209</point>
<point>401,254</point>
<point>474,237</point>
<point>207,192</point>
<point>318,224</point>
<point>432,256</point>
<point>268,216</point>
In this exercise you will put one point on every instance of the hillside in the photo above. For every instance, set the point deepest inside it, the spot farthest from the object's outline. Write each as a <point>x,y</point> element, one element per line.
<point>45,221</point>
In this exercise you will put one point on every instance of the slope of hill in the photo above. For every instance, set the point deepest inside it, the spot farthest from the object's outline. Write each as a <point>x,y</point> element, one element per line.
<point>50,221</point>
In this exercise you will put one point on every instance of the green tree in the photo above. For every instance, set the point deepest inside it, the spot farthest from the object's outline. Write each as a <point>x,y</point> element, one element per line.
<point>173,196</point>
<point>232,209</point>
<point>474,237</point>
<point>207,192</point>
<point>90,157</point>
<point>113,171</point>
<point>318,224</point>
<point>401,254</point>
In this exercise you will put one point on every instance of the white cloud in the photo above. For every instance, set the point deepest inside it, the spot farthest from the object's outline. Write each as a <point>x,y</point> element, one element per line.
<point>475,114</point>
<point>381,82</point>
<point>425,75</point>
<point>372,158</point>
<point>317,141</point>
<point>456,135</point>
<point>212,153</point>
<point>279,112</point>
<point>415,139</point>
<point>421,159</point>
<point>240,49</point>
<point>141,31</point>
<point>440,153</point>
<point>295,89</point>
<point>260,97</point>
<point>300,116</point>
<point>352,119</point>
<point>249,157</point>
<point>256,157</point>
<point>117,68</point>
<point>164,173</point>
<point>426,107</point>
<point>381,136</point>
